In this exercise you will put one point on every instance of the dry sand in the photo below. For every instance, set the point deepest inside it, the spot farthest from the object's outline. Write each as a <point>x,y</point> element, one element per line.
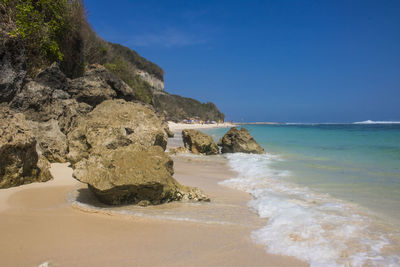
<point>39,225</point>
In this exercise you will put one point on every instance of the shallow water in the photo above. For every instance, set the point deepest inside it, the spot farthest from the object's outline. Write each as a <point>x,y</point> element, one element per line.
<point>330,192</point>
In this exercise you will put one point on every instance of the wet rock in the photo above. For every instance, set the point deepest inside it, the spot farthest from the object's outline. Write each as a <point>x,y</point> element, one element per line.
<point>239,141</point>
<point>199,143</point>
<point>20,162</point>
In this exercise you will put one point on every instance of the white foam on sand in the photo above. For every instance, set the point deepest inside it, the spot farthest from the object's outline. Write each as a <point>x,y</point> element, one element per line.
<point>308,225</point>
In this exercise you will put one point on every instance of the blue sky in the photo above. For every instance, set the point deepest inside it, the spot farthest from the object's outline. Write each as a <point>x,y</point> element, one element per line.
<point>283,60</point>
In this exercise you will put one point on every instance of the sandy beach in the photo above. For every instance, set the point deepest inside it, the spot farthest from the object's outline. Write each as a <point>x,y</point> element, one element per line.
<point>39,225</point>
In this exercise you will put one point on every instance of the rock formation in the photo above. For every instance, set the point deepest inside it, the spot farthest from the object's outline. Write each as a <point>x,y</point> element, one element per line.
<point>20,162</point>
<point>133,174</point>
<point>239,141</point>
<point>199,143</point>
<point>112,124</point>
<point>118,150</point>
<point>89,116</point>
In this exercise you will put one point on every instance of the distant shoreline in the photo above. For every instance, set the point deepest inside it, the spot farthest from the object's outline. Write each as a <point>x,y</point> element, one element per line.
<point>173,126</point>
<point>258,123</point>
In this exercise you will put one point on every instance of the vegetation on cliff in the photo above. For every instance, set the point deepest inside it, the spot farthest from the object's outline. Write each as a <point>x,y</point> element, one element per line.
<point>57,30</point>
<point>177,108</point>
<point>48,31</point>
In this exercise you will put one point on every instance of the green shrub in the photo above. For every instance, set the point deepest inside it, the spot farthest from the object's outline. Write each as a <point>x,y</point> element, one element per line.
<point>50,30</point>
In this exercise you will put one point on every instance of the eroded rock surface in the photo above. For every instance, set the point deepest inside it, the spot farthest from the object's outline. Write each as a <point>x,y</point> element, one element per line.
<point>50,140</point>
<point>133,174</point>
<point>199,143</point>
<point>239,141</point>
<point>20,162</point>
<point>118,150</point>
<point>113,124</point>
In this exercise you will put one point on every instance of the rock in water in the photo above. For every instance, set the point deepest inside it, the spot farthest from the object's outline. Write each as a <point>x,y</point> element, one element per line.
<point>20,162</point>
<point>199,143</point>
<point>132,174</point>
<point>239,141</point>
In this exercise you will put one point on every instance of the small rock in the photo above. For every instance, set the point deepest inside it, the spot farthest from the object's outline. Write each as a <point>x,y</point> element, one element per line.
<point>239,141</point>
<point>199,143</point>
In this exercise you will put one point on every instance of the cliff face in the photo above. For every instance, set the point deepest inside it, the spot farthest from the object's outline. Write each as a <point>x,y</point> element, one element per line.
<point>154,82</point>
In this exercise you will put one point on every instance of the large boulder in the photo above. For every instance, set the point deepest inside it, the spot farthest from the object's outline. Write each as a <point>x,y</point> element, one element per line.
<point>133,174</point>
<point>113,124</point>
<point>239,141</point>
<point>20,162</point>
<point>199,143</point>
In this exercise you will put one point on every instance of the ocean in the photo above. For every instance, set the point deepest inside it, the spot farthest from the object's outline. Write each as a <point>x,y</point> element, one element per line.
<point>330,192</point>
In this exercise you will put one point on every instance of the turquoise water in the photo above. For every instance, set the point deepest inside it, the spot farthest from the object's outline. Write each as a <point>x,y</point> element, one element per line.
<point>355,162</point>
<point>331,192</point>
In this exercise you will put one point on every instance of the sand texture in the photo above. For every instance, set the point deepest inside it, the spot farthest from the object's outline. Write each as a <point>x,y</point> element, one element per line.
<point>39,225</point>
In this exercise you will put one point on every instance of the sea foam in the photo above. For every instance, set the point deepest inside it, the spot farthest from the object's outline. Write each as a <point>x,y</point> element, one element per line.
<point>310,226</point>
<point>377,122</point>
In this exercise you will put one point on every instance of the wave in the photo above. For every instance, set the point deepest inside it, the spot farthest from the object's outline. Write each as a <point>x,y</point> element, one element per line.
<point>308,225</point>
<point>376,122</point>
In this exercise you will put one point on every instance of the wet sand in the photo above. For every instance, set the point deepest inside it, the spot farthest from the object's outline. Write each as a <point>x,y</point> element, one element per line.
<point>39,225</point>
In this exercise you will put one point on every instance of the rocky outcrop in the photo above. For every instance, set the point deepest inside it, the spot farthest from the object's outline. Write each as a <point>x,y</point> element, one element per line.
<point>118,150</point>
<point>239,141</point>
<point>112,124</point>
<point>199,143</point>
<point>177,108</point>
<point>133,174</point>
<point>20,162</point>
<point>45,98</point>
<point>93,88</point>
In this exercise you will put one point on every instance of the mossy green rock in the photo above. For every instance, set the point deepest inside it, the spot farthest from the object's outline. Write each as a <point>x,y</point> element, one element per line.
<point>199,143</point>
<point>239,141</point>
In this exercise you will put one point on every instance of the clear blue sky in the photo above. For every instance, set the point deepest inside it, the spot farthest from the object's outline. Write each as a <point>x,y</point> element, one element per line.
<point>282,60</point>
